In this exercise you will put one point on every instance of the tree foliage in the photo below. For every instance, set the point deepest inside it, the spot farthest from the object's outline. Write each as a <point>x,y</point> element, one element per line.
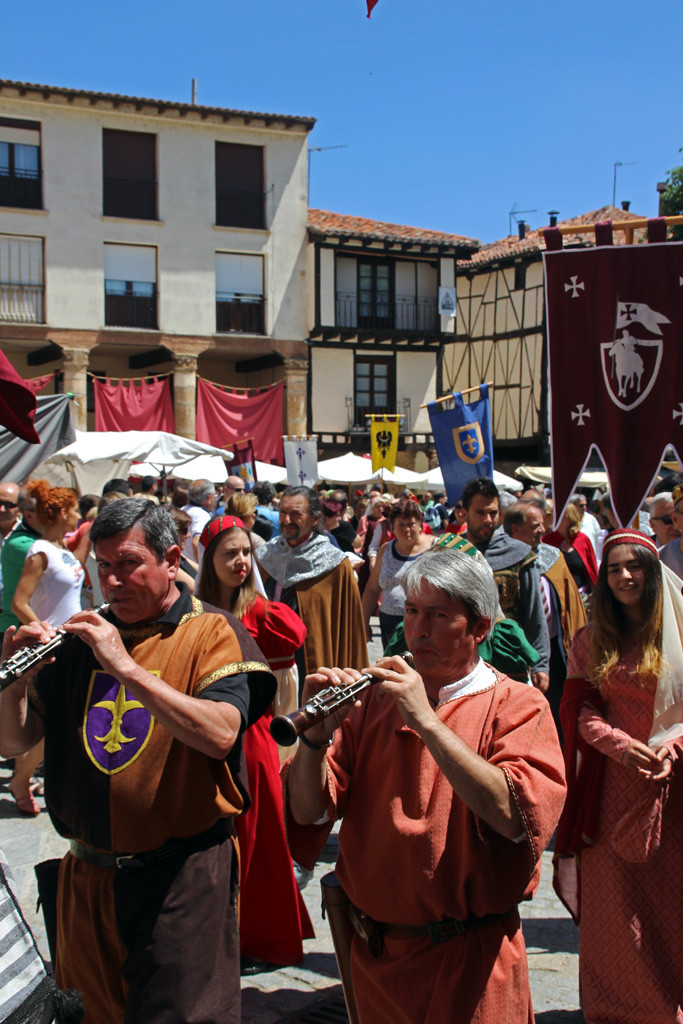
<point>672,199</point>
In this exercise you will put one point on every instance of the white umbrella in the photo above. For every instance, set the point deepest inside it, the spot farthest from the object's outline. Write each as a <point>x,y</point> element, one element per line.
<point>203,467</point>
<point>98,456</point>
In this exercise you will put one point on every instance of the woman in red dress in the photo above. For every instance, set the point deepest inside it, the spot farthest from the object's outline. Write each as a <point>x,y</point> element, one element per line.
<point>273,916</point>
<point>619,846</point>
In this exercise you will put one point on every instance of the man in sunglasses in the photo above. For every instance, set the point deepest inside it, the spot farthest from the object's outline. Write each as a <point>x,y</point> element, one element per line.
<point>662,520</point>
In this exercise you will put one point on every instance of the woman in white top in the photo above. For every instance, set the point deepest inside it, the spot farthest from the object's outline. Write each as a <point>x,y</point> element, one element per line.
<point>406,521</point>
<point>49,590</point>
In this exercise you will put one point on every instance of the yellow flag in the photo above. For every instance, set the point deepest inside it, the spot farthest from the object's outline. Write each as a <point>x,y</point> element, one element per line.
<point>384,442</point>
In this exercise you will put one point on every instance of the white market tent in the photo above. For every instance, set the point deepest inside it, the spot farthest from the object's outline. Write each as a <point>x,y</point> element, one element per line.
<point>544,475</point>
<point>354,469</point>
<point>273,474</point>
<point>434,479</point>
<point>98,456</point>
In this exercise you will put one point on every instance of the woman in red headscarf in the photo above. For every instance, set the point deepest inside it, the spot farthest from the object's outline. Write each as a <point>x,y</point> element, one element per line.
<point>273,916</point>
<point>619,847</point>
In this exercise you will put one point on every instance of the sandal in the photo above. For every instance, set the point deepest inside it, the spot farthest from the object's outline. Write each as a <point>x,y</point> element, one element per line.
<point>36,787</point>
<point>25,804</point>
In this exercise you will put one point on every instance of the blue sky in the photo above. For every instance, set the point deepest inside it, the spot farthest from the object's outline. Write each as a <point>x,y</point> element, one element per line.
<point>451,113</point>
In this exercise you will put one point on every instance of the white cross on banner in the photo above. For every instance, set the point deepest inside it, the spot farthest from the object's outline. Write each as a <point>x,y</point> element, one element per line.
<point>301,460</point>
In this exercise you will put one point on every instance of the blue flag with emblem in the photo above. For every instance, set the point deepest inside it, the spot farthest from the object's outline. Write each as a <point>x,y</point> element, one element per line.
<point>463,440</point>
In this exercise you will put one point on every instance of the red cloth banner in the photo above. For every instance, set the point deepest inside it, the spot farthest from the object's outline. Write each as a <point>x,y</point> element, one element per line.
<point>615,348</point>
<point>37,384</point>
<point>371,4</point>
<point>225,417</point>
<point>17,403</point>
<point>134,405</point>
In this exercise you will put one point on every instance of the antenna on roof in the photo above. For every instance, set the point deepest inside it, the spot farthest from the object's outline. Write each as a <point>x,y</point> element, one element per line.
<point>513,213</point>
<point>194,91</point>
<point>619,163</point>
<point>320,149</point>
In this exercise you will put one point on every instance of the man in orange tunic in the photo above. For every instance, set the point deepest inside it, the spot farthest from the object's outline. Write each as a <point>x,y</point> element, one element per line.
<point>449,780</point>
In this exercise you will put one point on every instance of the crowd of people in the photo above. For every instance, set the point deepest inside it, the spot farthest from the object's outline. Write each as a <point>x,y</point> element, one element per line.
<point>546,685</point>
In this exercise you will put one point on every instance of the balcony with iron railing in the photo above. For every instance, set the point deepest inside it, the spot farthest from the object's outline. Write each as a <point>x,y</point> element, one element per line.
<point>359,410</point>
<point>22,189</point>
<point>21,303</point>
<point>236,208</point>
<point>406,313</point>
<point>122,197</point>
<point>131,311</point>
<point>238,313</point>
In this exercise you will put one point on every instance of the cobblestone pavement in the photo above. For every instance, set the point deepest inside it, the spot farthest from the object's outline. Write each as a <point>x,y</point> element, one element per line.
<point>551,938</point>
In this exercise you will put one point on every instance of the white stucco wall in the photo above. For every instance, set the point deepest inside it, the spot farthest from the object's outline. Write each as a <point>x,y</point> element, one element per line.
<point>332,375</point>
<point>416,379</point>
<point>186,236</point>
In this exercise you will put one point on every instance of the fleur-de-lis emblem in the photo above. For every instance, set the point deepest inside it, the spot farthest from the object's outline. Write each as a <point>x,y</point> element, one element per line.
<point>114,738</point>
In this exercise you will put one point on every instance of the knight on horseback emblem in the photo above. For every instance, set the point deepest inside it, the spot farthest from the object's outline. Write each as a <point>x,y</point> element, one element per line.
<point>631,362</point>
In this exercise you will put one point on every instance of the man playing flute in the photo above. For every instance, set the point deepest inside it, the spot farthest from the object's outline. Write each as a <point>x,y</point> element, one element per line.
<point>449,780</point>
<point>143,714</point>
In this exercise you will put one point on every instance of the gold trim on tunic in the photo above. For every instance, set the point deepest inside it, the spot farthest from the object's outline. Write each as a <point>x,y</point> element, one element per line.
<point>230,670</point>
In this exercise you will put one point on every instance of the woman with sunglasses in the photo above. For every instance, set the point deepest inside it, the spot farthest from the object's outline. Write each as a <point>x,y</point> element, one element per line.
<point>273,916</point>
<point>619,847</point>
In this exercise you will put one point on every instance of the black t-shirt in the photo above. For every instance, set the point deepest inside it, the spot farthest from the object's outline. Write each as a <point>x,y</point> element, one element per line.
<point>345,535</point>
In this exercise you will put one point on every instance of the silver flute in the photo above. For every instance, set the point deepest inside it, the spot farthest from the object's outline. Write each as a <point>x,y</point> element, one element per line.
<point>27,657</point>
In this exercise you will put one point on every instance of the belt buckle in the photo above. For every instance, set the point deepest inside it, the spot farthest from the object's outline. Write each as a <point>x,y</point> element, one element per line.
<point>442,931</point>
<point>129,862</point>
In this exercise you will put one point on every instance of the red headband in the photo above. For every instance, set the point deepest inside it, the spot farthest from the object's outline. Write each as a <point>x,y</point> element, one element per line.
<point>627,536</point>
<point>219,525</point>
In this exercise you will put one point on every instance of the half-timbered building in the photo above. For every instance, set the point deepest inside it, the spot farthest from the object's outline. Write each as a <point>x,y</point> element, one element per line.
<point>500,334</point>
<point>378,330</point>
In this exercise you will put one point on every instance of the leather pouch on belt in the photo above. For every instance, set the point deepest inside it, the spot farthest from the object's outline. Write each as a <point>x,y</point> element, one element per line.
<point>369,931</point>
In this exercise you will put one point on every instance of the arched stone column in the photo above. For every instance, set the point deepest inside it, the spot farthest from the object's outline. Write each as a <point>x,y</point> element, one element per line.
<point>75,363</point>
<point>296,379</point>
<point>185,393</point>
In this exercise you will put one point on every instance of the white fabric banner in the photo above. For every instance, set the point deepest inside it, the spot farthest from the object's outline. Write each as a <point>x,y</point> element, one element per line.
<point>301,460</point>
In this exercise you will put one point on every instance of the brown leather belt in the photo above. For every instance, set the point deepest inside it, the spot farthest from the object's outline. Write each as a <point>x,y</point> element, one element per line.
<point>172,848</point>
<point>372,932</point>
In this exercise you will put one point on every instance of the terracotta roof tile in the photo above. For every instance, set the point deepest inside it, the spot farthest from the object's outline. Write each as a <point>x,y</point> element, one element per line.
<point>512,246</point>
<point>323,222</point>
<point>116,98</point>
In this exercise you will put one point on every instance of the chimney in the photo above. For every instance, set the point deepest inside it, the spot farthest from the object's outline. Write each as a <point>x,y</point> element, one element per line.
<point>661,189</point>
<point>625,204</point>
<point>553,214</point>
<point>521,229</point>
<point>194,91</point>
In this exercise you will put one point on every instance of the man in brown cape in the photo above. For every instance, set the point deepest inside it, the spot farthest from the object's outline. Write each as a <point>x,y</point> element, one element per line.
<point>314,578</point>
